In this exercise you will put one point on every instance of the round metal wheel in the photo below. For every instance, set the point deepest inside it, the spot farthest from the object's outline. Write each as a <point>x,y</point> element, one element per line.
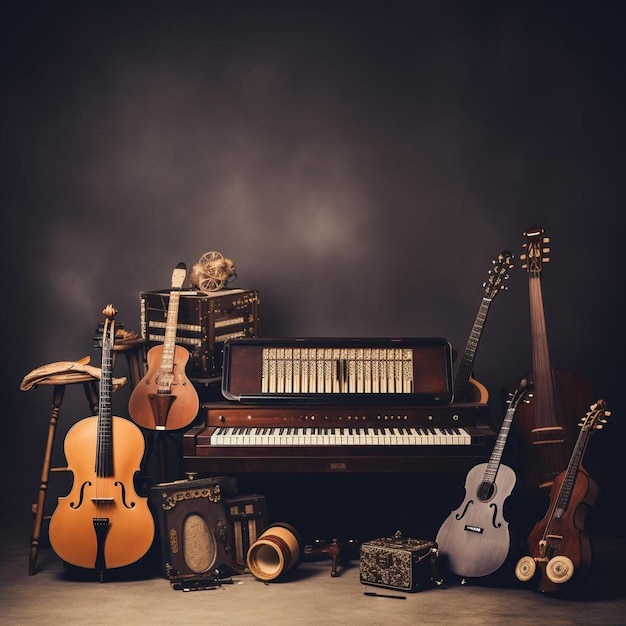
<point>525,568</point>
<point>207,257</point>
<point>208,283</point>
<point>560,569</point>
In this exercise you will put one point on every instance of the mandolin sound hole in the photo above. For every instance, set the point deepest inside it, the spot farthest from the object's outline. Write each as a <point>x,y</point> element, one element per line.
<point>199,547</point>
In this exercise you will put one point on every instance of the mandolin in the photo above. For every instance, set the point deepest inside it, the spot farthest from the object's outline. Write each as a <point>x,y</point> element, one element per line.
<point>560,552</point>
<point>544,427</point>
<point>102,523</point>
<point>474,540</point>
<point>466,388</point>
<point>165,399</point>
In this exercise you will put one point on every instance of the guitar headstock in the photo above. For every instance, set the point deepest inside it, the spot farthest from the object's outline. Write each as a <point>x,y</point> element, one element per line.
<point>596,417</point>
<point>498,274</point>
<point>178,276</point>
<point>537,250</point>
<point>521,394</point>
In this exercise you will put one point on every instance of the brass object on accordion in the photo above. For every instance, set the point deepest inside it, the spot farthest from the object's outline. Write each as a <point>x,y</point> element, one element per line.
<point>399,563</point>
<point>193,527</point>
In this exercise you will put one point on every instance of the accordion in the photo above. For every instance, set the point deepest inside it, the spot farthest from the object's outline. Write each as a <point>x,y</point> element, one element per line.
<point>194,530</point>
<point>205,322</point>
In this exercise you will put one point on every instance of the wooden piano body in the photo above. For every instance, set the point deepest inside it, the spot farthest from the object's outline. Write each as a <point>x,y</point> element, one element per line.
<point>338,405</point>
<point>240,438</point>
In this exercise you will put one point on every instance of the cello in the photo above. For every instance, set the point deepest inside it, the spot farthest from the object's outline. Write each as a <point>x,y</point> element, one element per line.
<point>165,399</point>
<point>103,523</point>
<point>560,549</point>
<point>544,426</point>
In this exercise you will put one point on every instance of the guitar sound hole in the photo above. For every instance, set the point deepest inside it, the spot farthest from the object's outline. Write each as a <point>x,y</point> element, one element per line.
<point>486,491</point>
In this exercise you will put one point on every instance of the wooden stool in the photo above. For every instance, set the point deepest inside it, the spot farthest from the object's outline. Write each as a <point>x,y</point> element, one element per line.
<point>134,351</point>
<point>59,382</point>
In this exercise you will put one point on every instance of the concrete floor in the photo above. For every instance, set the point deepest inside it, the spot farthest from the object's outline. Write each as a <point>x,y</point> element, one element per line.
<point>308,595</point>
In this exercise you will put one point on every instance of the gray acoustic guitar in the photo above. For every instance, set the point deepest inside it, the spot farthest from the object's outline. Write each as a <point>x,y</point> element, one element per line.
<point>474,540</point>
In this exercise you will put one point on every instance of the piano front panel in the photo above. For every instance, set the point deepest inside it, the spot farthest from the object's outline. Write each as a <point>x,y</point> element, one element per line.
<point>334,370</point>
<point>238,438</point>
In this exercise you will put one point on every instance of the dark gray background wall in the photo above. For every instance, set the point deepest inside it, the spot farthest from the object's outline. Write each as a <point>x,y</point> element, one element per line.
<point>362,164</point>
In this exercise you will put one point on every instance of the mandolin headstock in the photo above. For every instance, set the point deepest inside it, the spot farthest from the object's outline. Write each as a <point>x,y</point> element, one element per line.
<point>596,418</point>
<point>537,250</point>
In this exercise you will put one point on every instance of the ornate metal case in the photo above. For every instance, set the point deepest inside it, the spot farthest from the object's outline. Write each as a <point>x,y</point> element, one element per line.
<point>399,563</point>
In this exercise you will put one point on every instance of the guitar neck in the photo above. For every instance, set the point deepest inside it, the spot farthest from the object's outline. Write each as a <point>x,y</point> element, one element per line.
<point>498,448</point>
<point>169,340</point>
<point>462,378</point>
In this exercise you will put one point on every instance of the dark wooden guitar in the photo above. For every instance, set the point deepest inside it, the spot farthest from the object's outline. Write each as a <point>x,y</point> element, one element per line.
<point>474,540</point>
<point>560,554</point>
<point>545,427</point>
<point>102,523</point>
<point>466,387</point>
<point>165,399</point>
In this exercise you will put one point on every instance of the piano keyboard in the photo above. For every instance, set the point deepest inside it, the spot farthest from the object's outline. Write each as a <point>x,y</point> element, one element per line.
<point>314,436</point>
<point>241,438</point>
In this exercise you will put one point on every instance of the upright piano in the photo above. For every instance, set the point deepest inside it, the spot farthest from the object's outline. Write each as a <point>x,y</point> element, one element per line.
<point>338,405</point>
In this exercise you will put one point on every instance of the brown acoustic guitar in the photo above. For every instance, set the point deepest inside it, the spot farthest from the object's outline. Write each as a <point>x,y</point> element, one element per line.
<point>546,427</point>
<point>560,554</point>
<point>165,399</point>
<point>466,387</point>
<point>102,523</point>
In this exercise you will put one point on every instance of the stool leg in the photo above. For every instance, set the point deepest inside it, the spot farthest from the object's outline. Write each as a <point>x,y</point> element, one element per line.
<point>134,359</point>
<point>92,395</point>
<point>38,508</point>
